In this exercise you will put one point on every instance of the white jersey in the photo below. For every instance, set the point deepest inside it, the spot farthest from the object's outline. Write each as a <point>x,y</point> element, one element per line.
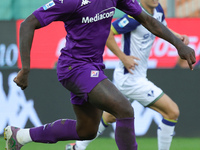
<point>136,41</point>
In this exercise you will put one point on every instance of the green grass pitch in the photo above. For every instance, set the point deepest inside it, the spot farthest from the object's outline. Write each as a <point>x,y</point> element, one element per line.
<point>109,144</point>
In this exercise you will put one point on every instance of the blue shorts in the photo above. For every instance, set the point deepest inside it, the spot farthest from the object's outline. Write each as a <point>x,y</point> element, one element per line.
<point>81,81</point>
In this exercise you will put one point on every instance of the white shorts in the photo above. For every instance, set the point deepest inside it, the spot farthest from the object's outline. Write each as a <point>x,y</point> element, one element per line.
<point>141,90</point>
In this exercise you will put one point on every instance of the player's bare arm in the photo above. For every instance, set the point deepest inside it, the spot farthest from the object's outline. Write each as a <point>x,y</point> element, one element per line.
<point>183,38</point>
<point>27,29</point>
<point>128,61</point>
<point>161,31</point>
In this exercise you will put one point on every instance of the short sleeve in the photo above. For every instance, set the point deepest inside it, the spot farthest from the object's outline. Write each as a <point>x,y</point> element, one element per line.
<point>124,25</point>
<point>55,10</point>
<point>160,9</point>
<point>130,7</point>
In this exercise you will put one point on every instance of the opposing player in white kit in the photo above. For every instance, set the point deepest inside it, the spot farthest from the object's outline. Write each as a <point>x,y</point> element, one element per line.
<point>130,74</point>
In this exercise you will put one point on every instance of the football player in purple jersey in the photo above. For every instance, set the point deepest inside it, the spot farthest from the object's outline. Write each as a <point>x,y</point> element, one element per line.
<point>130,75</point>
<point>80,70</point>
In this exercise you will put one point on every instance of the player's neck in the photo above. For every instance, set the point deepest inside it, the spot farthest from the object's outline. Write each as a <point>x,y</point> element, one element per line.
<point>148,9</point>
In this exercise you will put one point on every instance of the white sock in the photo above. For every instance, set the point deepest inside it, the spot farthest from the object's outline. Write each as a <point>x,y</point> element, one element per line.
<point>165,134</point>
<point>23,136</point>
<point>81,145</point>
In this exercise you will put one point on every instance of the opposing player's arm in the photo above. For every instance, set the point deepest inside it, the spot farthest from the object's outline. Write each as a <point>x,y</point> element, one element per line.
<point>163,32</point>
<point>128,61</point>
<point>183,38</point>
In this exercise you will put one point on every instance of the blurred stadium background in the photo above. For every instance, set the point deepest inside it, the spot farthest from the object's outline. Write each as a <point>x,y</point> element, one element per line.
<point>29,108</point>
<point>20,9</point>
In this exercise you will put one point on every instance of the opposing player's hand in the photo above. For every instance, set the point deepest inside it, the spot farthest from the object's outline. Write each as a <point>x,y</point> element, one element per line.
<point>130,63</point>
<point>188,54</point>
<point>185,39</point>
<point>21,79</point>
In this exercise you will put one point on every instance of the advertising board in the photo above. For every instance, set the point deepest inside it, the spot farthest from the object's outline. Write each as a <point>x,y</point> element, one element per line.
<point>8,47</point>
<point>49,40</point>
<point>45,100</point>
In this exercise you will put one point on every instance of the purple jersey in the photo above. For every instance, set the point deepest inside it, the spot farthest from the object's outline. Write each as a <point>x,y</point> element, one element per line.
<point>87,23</point>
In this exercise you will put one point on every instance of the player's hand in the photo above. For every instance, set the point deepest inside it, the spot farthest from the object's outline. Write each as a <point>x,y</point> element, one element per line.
<point>188,54</point>
<point>130,63</point>
<point>185,39</point>
<point>22,79</point>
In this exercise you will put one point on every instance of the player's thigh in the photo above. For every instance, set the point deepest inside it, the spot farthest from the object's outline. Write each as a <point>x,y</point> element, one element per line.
<point>142,90</point>
<point>107,97</point>
<point>88,118</point>
<point>166,107</point>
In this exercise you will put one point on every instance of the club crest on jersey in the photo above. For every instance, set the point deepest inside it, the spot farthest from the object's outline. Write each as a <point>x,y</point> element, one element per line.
<point>61,1</point>
<point>94,73</point>
<point>48,5</point>
<point>85,2</point>
<point>151,93</point>
<point>123,22</point>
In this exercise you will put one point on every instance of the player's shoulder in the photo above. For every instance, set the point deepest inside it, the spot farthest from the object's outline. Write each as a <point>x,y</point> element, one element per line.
<point>63,2</point>
<point>132,20</point>
<point>127,19</point>
<point>159,8</point>
<point>67,5</point>
<point>124,24</point>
